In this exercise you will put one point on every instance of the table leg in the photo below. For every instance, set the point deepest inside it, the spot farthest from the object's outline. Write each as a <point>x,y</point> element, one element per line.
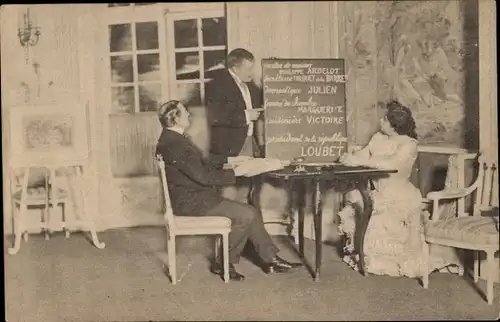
<point>318,214</point>
<point>301,216</point>
<point>362,221</point>
<point>254,193</point>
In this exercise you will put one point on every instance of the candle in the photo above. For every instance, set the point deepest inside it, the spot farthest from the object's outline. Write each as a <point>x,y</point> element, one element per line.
<point>27,22</point>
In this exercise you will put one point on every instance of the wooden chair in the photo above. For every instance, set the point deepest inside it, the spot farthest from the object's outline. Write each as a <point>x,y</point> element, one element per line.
<point>24,197</point>
<point>190,225</point>
<point>476,232</point>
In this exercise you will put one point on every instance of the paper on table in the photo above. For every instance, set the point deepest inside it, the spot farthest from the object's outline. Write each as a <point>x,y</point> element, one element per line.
<point>253,167</point>
<point>238,159</point>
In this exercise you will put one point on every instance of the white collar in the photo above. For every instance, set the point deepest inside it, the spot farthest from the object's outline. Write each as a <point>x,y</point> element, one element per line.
<point>177,129</point>
<point>235,77</point>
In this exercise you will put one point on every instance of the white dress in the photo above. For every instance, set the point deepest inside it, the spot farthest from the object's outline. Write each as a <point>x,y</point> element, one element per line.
<point>393,241</point>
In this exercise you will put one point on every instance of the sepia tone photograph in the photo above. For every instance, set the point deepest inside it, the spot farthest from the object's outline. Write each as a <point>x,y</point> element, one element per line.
<point>237,161</point>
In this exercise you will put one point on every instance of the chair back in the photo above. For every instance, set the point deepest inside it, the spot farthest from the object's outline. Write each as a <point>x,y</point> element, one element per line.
<point>169,214</point>
<point>487,184</point>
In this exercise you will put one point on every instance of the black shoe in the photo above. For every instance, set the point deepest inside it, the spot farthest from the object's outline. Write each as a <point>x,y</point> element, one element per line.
<point>279,265</point>
<point>217,269</point>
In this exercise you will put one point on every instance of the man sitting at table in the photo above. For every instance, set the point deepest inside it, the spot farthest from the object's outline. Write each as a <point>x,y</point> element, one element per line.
<point>192,183</point>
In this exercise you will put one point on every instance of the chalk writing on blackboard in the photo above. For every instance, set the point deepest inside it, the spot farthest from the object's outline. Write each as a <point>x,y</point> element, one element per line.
<point>305,108</point>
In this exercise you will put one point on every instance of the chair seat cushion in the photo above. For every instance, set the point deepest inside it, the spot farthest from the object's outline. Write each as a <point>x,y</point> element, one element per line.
<point>476,229</point>
<point>202,222</point>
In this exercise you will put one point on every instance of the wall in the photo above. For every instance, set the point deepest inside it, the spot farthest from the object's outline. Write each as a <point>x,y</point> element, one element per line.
<point>71,34</point>
<point>50,76</point>
<point>432,68</point>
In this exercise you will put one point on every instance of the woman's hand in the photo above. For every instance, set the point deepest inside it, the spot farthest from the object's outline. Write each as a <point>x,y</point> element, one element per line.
<point>344,157</point>
<point>351,160</point>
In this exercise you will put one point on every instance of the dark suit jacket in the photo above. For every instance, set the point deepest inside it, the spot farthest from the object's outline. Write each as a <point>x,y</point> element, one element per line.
<point>226,113</point>
<point>191,179</point>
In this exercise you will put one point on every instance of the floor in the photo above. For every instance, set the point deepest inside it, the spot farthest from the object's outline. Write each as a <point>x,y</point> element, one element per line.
<point>69,280</point>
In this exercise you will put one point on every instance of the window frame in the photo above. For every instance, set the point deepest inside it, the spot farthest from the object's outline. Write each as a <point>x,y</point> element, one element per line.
<point>170,18</point>
<point>132,15</point>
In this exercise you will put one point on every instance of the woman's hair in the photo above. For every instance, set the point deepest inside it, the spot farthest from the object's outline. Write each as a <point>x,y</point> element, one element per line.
<point>168,113</point>
<point>401,120</point>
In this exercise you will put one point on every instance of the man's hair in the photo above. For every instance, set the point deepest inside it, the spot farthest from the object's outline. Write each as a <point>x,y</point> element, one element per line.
<point>237,56</point>
<point>168,113</point>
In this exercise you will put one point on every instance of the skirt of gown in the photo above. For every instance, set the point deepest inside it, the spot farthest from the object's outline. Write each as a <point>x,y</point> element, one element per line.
<point>393,242</point>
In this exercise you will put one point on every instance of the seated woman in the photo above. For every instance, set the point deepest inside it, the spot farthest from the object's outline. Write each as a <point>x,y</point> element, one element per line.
<point>393,243</point>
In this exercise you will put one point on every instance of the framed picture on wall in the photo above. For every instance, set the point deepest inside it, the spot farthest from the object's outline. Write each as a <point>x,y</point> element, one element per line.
<point>47,135</point>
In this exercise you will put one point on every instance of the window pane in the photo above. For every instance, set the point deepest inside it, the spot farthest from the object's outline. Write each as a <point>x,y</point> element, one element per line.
<point>120,37</point>
<point>189,94</point>
<point>187,65</point>
<point>118,4</point>
<point>122,99</point>
<point>121,69</point>
<point>147,35</point>
<point>214,60</point>
<point>149,97</point>
<point>148,66</point>
<point>185,33</point>
<point>214,31</point>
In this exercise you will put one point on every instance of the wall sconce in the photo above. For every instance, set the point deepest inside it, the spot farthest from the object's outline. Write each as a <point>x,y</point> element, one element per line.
<point>28,33</point>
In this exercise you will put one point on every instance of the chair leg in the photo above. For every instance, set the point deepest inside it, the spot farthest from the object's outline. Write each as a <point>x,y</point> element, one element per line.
<point>476,266</point>
<point>172,265</point>
<point>490,263</point>
<point>67,232</point>
<point>225,245</point>
<point>425,268</point>
<point>18,229</point>
<point>461,269</point>
<point>217,247</point>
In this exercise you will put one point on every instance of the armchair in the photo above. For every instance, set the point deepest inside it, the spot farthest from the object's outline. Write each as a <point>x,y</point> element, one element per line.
<point>476,232</point>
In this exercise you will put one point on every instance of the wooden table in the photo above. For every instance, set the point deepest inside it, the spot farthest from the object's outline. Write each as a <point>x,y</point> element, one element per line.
<point>359,175</point>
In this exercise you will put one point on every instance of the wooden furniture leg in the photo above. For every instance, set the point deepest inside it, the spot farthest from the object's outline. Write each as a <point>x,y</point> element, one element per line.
<point>19,216</point>
<point>301,217</point>
<point>318,216</point>
<point>490,276</point>
<point>225,246</point>
<point>172,265</point>
<point>89,223</point>
<point>362,221</point>
<point>50,195</point>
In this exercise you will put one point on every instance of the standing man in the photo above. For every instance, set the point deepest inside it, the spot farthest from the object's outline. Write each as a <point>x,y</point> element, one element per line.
<point>234,105</point>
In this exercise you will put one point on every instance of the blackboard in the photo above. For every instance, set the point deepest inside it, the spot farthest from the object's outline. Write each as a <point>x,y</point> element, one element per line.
<point>305,114</point>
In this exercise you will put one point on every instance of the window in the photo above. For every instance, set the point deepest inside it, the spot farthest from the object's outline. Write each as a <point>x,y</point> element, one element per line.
<point>135,58</point>
<point>152,57</point>
<point>197,47</point>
